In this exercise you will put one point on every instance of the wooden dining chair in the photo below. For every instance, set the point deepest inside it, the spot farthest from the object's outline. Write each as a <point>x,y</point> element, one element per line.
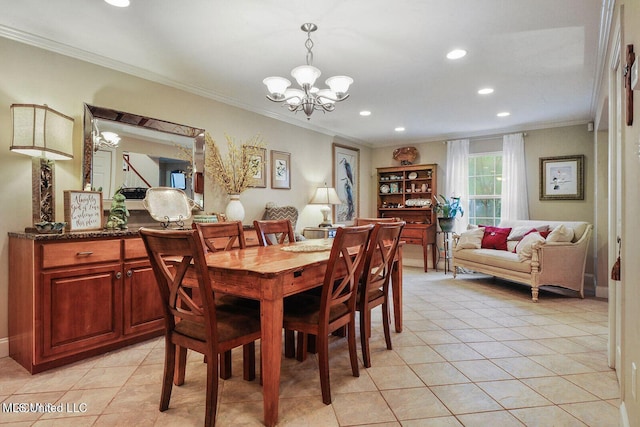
<point>224,236</point>
<point>374,283</point>
<point>335,308</point>
<point>221,236</point>
<point>274,231</point>
<point>202,327</point>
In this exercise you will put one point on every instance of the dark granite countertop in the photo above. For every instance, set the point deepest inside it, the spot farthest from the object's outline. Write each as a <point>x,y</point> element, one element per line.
<point>72,235</point>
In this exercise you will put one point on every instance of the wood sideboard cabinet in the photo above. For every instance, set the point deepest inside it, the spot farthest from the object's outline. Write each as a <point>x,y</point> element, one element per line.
<point>76,295</point>
<point>407,192</point>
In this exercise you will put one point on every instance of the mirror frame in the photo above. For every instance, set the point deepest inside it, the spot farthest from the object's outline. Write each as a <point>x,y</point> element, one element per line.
<point>92,112</point>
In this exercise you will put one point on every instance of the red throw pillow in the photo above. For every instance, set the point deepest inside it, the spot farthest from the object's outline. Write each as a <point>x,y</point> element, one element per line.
<point>495,238</point>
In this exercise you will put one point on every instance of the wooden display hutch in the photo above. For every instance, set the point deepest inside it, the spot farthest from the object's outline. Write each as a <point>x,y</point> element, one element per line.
<point>407,192</point>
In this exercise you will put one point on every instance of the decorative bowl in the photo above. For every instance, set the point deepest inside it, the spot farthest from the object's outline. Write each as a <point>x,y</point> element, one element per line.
<point>48,227</point>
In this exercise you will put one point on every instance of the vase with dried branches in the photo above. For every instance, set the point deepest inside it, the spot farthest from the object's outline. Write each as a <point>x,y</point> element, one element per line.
<point>235,172</point>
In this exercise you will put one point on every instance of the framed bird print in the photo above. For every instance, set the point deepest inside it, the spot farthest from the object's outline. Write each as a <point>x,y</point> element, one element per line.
<point>346,181</point>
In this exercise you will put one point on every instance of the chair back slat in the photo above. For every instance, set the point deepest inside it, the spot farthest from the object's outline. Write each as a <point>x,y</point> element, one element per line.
<point>221,236</point>
<point>344,268</point>
<point>172,254</point>
<point>281,229</point>
<point>379,260</point>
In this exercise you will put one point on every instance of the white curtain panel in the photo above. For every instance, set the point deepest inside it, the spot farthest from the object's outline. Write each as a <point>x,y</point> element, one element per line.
<point>457,178</point>
<point>515,204</point>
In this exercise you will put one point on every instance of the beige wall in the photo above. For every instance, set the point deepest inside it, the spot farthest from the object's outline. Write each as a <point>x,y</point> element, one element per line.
<point>32,75</point>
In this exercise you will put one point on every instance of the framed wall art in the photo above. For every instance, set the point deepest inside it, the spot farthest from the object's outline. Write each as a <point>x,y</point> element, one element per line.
<point>346,181</point>
<point>83,210</point>
<point>280,170</point>
<point>258,164</point>
<point>562,178</point>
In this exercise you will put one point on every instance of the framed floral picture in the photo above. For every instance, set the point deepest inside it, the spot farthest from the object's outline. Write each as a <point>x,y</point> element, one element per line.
<point>257,158</point>
<point>280,170</point>
<point>346,181</point>
<point>562,178</point>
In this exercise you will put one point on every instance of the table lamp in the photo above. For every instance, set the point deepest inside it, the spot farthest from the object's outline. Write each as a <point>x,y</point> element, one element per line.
<point>46,135</point>
<point>325,196</point>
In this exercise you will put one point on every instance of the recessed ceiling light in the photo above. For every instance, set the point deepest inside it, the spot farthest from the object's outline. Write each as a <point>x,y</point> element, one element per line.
<point>118,3</point>
<point>456,54</point>
<point>399,129</point>
<point>503,114</point>
<point>365,113</point>
<point>485,91</point>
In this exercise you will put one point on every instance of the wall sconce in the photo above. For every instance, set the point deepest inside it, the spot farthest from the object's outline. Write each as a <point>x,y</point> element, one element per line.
<point>325,196</point>
<point>46,135</point>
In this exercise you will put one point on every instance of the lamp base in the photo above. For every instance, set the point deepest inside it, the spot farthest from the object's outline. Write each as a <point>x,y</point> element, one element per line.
<point>326,222</point>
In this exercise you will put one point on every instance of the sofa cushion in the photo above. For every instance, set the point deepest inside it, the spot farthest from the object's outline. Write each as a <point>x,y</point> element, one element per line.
<point>525,247</point>
<point>579,227</point>
<point>560,234</point>
<point>495,238</point>
<point>518,232</point>
<point>492,257</point>
<point>471,239</point>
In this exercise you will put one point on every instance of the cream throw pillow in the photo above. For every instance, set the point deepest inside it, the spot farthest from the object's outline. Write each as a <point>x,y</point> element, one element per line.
<point>525,247</point>
<point>471,239</point>
<point>560,234</point>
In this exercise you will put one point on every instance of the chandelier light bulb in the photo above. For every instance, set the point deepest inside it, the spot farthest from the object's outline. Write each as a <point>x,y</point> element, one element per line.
<point>276,86</point>
<point>305,75</point>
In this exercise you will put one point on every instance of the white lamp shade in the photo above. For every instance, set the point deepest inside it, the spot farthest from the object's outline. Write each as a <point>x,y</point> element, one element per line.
<point>326,92</point>
<point>339,84</point>
<point>326,196</point>
<point>276,85</point>
<point>305,74</point>
<point>40,131</point>
<point>293,96</point>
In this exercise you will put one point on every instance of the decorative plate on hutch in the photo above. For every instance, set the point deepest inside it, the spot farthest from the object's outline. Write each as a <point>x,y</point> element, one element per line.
<point>413,175</point>
<point>384,188</point>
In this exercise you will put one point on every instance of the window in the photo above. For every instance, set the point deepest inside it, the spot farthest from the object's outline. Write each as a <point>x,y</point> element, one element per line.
<point>485,188</point>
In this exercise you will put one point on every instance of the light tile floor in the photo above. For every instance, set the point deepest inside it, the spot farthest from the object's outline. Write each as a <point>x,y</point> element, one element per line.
<point>474,352</point>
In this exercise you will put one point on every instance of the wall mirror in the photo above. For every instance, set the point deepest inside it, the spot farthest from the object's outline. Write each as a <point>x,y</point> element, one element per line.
<point>136,152</point>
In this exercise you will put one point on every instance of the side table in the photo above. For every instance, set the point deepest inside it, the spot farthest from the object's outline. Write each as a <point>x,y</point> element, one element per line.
<point>320,232</point>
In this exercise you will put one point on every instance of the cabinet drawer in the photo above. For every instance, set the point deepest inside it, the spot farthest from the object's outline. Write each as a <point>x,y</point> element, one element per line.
<point>134,248</point>
<point>413,233</point>
<point>79,253</point>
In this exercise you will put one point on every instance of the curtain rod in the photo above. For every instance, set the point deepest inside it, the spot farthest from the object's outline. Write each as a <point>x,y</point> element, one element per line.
<point>482,138</point>
<point>486,137</point>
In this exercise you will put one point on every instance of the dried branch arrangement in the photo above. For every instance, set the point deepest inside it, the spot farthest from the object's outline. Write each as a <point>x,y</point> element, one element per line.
<point>235,172</point>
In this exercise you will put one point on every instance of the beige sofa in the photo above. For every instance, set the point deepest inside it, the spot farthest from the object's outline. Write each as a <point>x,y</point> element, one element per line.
<point>538,262</point>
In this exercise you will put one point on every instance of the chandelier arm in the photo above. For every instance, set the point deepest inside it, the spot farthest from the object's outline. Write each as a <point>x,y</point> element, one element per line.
<point>336,99</point>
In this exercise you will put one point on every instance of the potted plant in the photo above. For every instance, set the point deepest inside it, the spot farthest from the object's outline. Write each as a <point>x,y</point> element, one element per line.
<point>447,210</point>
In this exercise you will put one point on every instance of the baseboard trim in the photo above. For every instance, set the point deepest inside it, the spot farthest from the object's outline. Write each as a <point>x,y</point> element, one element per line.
<point>602,292</point>
<point>4,347</point>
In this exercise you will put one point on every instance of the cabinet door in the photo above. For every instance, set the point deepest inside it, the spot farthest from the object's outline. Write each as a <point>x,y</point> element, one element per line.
<point>142,303</point>
<point>81,309</point>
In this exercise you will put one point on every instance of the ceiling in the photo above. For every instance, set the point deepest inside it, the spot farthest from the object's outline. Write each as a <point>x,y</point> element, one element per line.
<point>540,56</point>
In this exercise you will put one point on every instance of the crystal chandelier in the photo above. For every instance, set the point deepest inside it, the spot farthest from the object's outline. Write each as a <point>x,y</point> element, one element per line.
<point>309,98</point>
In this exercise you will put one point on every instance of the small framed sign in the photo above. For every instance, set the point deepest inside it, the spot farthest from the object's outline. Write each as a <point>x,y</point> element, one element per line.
<point>83,210</point>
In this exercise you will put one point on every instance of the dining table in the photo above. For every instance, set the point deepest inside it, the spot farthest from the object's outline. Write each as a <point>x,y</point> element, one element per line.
<point>269,274</point>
